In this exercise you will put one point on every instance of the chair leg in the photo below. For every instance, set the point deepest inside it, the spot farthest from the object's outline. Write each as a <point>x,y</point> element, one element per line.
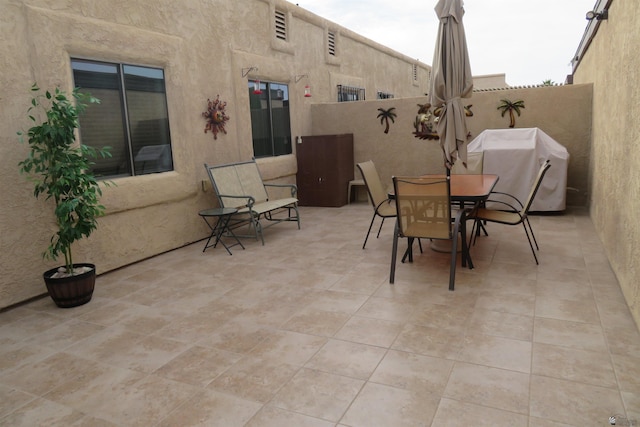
<point>394,252</point>
<point>295,208</point>
<point>409,252</point>
<point>458,227</point>
<point>454,256</point>
<point>481,225</point>
<point>530,243</point>
<point>474,232</point>
<point>405,255</point>
<point>532,235</point>
<point>257,228</point>
<point>466,256</point>
<point>379,229</point>
<point>368,231</point>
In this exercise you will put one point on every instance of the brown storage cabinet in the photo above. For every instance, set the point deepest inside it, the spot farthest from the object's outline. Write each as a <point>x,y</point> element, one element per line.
<point>325,167</point>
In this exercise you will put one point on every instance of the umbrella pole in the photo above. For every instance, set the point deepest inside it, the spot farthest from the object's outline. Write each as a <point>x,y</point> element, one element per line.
<point>444,246</point>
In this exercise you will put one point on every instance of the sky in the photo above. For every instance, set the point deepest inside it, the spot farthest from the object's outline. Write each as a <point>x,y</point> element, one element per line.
<point>528,40</point>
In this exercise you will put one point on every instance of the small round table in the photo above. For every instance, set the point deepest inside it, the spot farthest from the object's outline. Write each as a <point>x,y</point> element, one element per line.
<point>222,217</point>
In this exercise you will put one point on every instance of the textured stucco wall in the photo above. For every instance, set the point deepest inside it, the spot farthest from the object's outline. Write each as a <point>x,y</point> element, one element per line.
<point>612,64</point>
<point>563,112</point>
<point>202,45</point>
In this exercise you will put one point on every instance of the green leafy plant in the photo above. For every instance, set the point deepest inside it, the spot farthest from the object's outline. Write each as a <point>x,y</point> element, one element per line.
<point>506,105</point>
<point>60,168</point>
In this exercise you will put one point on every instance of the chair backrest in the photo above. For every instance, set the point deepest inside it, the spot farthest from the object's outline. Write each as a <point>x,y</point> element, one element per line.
<point>377,192</point>
<point>474,164</point>
<point>532,194</point>
<point>423,206</point>
<point>237,179</point>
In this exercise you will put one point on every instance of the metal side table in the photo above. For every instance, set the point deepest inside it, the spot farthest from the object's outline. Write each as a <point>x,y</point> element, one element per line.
<point>221,216</point>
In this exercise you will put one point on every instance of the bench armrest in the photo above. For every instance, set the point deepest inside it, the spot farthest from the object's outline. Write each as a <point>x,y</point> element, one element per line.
<point>293,187</point>
<point>250,200</point>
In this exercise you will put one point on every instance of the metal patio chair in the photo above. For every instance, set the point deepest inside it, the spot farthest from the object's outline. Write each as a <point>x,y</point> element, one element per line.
<point>511,213</point>
<point>423,206</point>
<point>382,205</point>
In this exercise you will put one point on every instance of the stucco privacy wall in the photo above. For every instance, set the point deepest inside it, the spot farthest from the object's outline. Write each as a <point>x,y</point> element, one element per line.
<point>202,45</point>
<point>612,64</point>
<point>563,112</point>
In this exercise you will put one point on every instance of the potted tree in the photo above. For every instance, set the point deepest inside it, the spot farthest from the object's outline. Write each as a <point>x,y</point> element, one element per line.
<point>60,170</point>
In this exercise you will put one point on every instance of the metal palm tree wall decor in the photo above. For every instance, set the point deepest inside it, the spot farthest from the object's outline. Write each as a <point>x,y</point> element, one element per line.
<point>385,116</point>
<point>506,105</point>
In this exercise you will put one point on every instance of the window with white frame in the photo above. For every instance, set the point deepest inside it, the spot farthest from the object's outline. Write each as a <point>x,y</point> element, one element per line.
<point>131,118</point>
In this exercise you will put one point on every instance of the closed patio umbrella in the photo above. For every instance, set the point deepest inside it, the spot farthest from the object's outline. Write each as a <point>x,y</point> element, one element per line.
<point>451,81</point>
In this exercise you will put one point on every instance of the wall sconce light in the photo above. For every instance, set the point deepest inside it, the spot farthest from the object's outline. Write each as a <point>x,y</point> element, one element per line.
<point>598,16</point>
<point>307,88</point>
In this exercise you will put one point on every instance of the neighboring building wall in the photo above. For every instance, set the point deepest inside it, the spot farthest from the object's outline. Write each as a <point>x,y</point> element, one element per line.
<point>612,64</point>
<point>202,45</point>
<point>490,81</point>
<point>563,112</point>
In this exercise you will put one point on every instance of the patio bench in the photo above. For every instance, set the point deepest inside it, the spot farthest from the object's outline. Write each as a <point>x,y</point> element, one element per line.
<point>240,186</point>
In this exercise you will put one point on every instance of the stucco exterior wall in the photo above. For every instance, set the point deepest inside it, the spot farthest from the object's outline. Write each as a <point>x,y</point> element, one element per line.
<point>202,45</point>
<point>563,112</point>
<point>612,64</point>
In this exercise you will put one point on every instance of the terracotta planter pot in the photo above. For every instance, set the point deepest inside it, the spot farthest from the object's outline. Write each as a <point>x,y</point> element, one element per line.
<point>71,291</point>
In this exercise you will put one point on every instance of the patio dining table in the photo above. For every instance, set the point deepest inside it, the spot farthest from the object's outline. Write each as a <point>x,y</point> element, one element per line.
<point>467,188</point>
<point>474,189</point>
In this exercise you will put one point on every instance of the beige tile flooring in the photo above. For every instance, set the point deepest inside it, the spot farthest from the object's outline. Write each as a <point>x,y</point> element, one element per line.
<point>307,331</point>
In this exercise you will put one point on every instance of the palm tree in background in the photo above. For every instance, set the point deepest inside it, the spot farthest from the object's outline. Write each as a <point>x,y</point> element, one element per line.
<point>548,82</point>
<point>385,116</point>
<point>506,105</point>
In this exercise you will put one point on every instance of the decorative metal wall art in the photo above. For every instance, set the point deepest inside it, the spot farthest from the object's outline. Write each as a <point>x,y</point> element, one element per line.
<point>423,124</point>
<point>215,116</point>
<point>511,106</point>
<point>426,120</point>
<point>385,116</point>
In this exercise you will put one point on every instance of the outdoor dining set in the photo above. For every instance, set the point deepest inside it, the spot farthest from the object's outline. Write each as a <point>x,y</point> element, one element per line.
<point>438,207</point>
